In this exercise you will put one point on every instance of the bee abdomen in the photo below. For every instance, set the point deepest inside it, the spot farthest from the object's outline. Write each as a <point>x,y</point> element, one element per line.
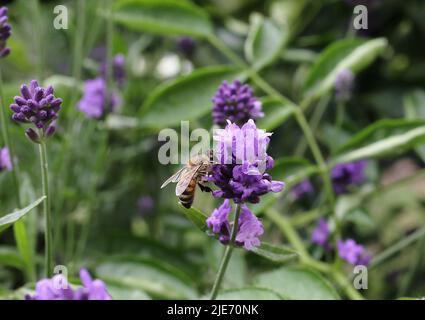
<point>186,198</point>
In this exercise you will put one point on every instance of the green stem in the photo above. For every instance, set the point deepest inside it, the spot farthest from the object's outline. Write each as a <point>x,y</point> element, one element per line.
<point>226,257</point>
<point>109,54</point>
<point>345,285</point>
<point>340,114</point>
<point>46,209</point>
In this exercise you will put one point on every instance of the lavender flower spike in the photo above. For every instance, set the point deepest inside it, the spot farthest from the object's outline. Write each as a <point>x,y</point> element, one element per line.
<point>36,105</point>
<point>344,83</point>
<point>5,161</point>
<point>242,164</point>
<point>353,253</point>
<point>5,32</point>
<point>249,227</point>
<point>235,102</point>
<point>95,102</point>
<point>321,233</point>
<point>346,175</point>
<point>57,288</point>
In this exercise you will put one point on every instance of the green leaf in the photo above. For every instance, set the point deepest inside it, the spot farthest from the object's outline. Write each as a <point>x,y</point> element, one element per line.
<point>9,256</point>
<point>169,17</point>
<point>392,145</point>
<point>265,41</point>
<point>147,277</point>
<point>186,98</point>
<point>125,293</point>
<point>7,220</point>
<point>274,114</point>
<point>297,284</point>
<point>379,130</point>
<point>414,108</point>
<point>275,253</point>
<point>196,216</point>
<point>249,293</point>
<point>353,54</point>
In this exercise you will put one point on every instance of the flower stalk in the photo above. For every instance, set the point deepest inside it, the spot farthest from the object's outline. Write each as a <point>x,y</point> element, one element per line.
<point>227,254</point>
<point>46,208</point>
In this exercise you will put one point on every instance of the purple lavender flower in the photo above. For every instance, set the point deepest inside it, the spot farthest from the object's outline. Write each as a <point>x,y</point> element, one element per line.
<point>241,154</point>
<point>94,100</point>
<point>5,161</point>
<point>118,69</point>
<point>57,288</point>
<point>353,253</point>
<point>346,175</point>
<point>187,46</point>
<point>301,189</point>
<point>250,227</point>
<point>36,105</point>
<point>321,233</point>
<point>145,205</point>
<point>344,84</point>
<point>5,32</point>
<point>235,102</point>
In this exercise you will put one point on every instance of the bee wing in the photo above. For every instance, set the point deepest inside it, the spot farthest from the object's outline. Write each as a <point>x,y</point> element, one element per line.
<point>185,179</point>
<point>175,177</point>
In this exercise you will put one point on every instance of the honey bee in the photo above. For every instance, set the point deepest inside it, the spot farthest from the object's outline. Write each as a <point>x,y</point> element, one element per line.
<point>189,176</point>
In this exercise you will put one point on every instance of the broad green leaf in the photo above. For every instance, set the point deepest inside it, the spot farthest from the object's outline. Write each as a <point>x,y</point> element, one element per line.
<point>265,41</point>
<point>196,216</point>
<point>379,130</point>
<point>186,98</point>
<point>10,257</point>
<point>275,253</point>
<point>167,17</point>
<point>126,293</point>
<point>353,54</point>
<point>274,114</point>
<point>249,293</point>
<point>146,277</point>
<point>7,220</point>
<point>296,284</point>
<point>414,108</point>
<point>392,145</point>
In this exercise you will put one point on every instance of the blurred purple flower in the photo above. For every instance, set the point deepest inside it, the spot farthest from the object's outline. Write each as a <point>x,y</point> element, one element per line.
<point>57,288</point>
<point>5,161</point>
<point>344,84</point>
<point>353,253</point>
<point>242,162</point>
<point>235,102</point>
<point>187,46</point>
<point>94,100</point>
<point>301,189</point>
<point>145,205</point>
<point>250,227</point>
<point>36,105</point>
<point>118,69</point>
<point>5,32</point>
<point>349,174</point>
<point>321,233</point>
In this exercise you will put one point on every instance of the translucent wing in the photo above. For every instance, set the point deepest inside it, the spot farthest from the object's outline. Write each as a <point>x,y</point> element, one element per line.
<point>175,177</point>
<point>185,179</point>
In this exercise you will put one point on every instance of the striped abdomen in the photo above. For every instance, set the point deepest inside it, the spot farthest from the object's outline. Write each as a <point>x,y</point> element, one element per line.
<point>186,198</point>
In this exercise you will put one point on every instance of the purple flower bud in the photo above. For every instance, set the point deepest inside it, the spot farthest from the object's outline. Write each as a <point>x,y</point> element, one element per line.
<point>50,130</point>
<point>15,108</point>
<point>5,32</point>
<point>301,189</point>
<point>344,83</point>
<point>321,233</point>
<point>20,101</point>
<point>187,46</point>
<point>32,135</point>
<point>145,205</point>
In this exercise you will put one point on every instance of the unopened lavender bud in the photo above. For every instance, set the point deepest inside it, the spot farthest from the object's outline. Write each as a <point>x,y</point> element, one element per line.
<point>32,135</point>
<point>50,130</point>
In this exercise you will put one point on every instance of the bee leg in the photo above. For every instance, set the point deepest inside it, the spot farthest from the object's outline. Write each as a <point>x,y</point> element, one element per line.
<point>204,188</point>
